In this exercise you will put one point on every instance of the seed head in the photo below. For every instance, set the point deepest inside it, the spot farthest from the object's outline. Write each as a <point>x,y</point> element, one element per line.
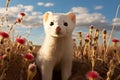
<point>32,67</point>
<point>86,40</point>
<point>104,31</point>
<point>91,27</point>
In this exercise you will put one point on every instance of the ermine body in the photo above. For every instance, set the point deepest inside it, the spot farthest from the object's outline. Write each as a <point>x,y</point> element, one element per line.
<point>57,48</point>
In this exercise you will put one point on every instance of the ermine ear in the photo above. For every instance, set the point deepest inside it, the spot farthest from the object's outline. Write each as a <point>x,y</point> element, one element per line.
<point>72,16</point>
<point>46,15</point>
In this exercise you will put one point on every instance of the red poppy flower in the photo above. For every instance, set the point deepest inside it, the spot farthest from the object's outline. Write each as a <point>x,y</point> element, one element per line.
<point>4,34</point>
<point>115,40</point>
<point>88,36</point>
<point>21,40</point>
<point>19,20</point>
<point>93,75</point>
<point>22,14</point>
<point>28,56</point>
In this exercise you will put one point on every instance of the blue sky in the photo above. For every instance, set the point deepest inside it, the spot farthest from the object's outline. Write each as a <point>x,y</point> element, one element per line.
<point>99,13</point>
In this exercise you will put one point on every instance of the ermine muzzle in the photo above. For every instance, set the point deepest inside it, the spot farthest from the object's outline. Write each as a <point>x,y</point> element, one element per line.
<point>58,29</point>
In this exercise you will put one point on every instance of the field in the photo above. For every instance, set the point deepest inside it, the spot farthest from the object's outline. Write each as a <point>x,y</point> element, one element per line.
<point>17,58</point>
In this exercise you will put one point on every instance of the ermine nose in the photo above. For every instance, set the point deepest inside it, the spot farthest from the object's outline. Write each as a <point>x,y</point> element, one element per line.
<point>58,29</point>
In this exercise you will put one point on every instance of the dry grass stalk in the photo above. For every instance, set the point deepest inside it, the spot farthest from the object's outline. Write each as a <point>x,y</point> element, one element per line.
<point>115,45</point>
<point>80,47</point>
<point>86,51</point>
<point>80,38</point>
<point>75,49</point>
<point>111,69</point>
<point>28,33</point>
<point>104,38</point>
<point>96,37</point>
<point>19,20</point>
<point>31,71</point>
<point>94,48</point>
<point>111,34</point>
<point>7,4</point>
<point>91,33</point>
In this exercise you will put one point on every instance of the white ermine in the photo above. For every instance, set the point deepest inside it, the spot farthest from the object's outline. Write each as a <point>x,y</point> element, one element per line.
<point>57,48</point>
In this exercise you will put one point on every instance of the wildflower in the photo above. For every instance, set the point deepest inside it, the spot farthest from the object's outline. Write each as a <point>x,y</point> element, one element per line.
<point>22,14</point>
<point>115,40</point>
<point>92,75</point>
<point>19,20</point>
<point>28,56</point>
<point>4,34</point>
<point>21,40</point>
<point>88,36</point>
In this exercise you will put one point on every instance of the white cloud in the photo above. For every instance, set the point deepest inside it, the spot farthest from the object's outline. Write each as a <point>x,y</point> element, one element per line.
<point>36,13</point>
<point>84,18</point>
<point>40,3</point>
<point>116,21</point>
<point>48,4</point>
<point>32,18</point>
<point>80,10</point>
<point>98,7</point>
<point>28,8</point>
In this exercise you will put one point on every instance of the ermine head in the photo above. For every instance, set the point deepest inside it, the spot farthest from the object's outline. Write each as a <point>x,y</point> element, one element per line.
<point>59,25</point>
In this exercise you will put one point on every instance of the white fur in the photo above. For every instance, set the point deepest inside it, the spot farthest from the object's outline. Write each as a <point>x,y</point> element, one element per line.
<point>57,48</point>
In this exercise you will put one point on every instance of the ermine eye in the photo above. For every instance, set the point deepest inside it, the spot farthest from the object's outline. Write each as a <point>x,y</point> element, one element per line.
<point>51,23</point>
<point>65,24</point>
